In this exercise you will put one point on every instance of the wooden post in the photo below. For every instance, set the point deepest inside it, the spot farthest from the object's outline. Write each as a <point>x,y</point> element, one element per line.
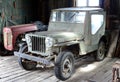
<point>116,69</point>
<point>74,3</point>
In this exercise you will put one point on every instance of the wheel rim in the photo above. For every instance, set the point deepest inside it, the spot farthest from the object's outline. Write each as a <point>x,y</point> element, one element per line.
<point>67,67</point>
<point>101,51</point>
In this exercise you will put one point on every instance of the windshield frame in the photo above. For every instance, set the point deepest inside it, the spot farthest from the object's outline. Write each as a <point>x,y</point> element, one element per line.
<point>74,17</point>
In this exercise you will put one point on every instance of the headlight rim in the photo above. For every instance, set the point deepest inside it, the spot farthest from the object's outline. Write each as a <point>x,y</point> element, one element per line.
<point>49,42</point>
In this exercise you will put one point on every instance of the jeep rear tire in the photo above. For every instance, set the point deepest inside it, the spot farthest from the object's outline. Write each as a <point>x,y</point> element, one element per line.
<point>64,65</point>
<point>101,52</point>
<point>24,63</point>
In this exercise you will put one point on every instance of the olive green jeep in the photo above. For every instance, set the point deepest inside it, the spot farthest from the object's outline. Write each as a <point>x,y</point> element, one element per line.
<point>72,32</point>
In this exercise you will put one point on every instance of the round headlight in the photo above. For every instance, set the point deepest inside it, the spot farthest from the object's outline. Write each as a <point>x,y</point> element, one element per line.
<point>49,42</point>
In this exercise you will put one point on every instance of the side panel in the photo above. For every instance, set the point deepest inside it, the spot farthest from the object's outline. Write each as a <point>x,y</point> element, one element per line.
<point>93,33</point>
<point>97,29</point>
<point>98,22</point>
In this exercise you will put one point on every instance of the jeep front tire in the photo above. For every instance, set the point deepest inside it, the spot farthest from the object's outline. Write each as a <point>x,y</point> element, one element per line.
<point>64,65</point>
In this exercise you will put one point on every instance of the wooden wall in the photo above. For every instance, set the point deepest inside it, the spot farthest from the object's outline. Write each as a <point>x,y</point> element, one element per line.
<point>18,11</point>
<point>44,8</point>
<point>25,11</point>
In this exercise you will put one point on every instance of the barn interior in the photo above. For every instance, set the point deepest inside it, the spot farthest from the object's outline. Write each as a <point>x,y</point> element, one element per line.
<point>86,69</point>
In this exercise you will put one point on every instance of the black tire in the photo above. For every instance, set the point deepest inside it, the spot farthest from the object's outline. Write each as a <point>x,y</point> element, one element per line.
<point>24,63</point>
<point>64,65</point>
<point>101,51</point>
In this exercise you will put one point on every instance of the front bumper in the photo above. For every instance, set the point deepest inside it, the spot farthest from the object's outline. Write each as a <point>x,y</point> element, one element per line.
<point>32,58</point>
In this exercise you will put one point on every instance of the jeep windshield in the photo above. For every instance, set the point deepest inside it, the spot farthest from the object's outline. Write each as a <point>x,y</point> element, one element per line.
<point>68,16</point>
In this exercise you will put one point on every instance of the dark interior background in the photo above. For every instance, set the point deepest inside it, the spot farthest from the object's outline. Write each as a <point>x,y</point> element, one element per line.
<point>42,8</point>
<point>34,10</point>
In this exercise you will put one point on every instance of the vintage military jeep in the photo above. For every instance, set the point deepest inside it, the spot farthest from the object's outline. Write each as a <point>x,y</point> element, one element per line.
<point>72,32</point>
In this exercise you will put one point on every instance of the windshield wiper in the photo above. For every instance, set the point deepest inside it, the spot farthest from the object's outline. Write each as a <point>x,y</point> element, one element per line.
<point>73,15</point>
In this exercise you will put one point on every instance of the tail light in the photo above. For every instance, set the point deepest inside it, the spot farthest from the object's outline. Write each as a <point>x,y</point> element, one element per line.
<point>8,38</point>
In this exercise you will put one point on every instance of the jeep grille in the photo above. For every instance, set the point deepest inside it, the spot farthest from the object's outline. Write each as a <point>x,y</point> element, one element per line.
<point>38,44</point>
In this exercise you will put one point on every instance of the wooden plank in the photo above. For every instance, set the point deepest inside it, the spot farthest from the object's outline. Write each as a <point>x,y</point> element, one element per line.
<point>79,75</point>
<point>113,43</point>
<point>117,53</point>
<point>105,72</point>
<point>23,77</point>
<point>52,78</point>
<point>11,72</point>
<point>13,75</point>
<point>108,78</point>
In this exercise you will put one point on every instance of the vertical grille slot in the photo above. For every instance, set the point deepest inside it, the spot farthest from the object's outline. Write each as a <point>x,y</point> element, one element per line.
<point>38,44</point>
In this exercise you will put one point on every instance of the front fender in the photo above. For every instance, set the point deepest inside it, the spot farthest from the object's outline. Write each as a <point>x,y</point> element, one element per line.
<point>66,43</point>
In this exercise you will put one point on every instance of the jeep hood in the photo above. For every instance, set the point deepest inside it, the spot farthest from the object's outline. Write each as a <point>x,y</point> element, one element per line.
<point>61,36</point>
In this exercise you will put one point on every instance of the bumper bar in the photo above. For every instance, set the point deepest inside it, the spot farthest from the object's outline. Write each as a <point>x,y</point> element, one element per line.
<point>33,58</point>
